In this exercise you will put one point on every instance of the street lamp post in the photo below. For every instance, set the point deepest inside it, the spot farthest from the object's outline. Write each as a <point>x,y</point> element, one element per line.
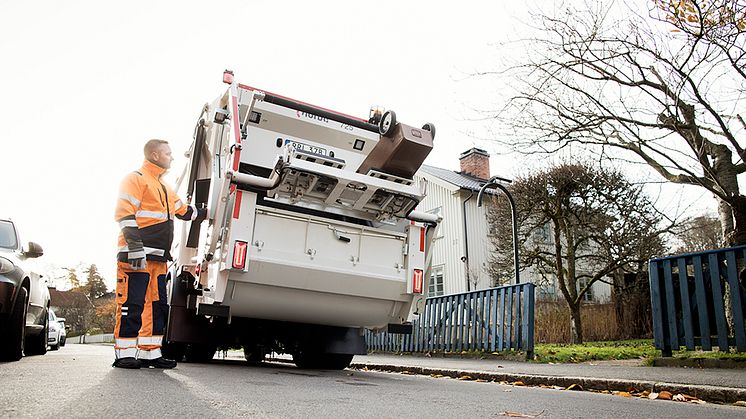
<point>513,215</point>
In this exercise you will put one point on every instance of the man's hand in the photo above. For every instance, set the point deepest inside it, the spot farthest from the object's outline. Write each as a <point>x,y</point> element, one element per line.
<point>136,260</point>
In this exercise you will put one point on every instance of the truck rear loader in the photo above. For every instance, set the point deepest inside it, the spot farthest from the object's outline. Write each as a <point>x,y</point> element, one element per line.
<point>311,235</point>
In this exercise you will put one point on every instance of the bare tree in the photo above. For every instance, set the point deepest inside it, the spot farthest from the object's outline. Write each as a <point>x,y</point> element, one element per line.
<point>590,223</point>
<point>698,234</point>
<point>665,88</point>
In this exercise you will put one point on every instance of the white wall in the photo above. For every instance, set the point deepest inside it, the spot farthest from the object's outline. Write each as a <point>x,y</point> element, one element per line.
<point>449,247</point>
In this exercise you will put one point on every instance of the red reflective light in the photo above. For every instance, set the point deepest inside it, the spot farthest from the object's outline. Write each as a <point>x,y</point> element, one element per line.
<point>239,254</point>
<point>417,283</point>
<point>228,77</point>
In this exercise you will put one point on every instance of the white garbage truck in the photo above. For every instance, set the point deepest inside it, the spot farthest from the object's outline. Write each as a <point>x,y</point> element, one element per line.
<point>312,233</point>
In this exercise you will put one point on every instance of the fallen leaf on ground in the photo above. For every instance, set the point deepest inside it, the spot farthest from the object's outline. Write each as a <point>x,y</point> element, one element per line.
<point>407,372</point>
<point>517,414</point>
<point>519,383</point>
<point>479,380</point>
<point>740,403</point>
<point>576,387</point>
<point>436,375</point>
<point>665,395</point>
<point>644,394</point>
<point>465,377</point>
<point>622,393</point>
<point>697,401</point>
<point>679,398</point>
<point>653,396</point>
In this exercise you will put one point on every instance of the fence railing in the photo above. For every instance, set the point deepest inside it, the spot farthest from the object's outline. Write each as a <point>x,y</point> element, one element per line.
<point>101,338</point>
<point>495,319</point>
<point>694,295</point>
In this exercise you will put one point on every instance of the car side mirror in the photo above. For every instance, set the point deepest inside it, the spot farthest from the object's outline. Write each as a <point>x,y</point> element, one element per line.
<point>34,250</point>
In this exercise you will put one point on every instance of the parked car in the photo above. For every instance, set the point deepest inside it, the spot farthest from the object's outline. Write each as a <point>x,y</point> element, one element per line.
<point>24,298</point>
<point>57,332</point>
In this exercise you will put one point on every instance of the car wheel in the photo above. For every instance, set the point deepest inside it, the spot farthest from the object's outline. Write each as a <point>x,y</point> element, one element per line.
<point>62,340</point>
<point>37,345</point>
<point>54,347</point>
<point>12,347</point>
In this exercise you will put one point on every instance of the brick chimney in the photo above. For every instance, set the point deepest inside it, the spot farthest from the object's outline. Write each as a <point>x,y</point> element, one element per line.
<point>475,162</point>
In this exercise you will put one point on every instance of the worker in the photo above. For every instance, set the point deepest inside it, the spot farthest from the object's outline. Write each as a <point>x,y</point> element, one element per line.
<point>145,211</point>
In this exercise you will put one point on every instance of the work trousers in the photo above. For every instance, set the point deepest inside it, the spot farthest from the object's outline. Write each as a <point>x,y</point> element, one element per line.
<point>142,309</point>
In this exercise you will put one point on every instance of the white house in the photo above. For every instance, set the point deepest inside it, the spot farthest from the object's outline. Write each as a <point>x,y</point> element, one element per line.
<point>462,249</point>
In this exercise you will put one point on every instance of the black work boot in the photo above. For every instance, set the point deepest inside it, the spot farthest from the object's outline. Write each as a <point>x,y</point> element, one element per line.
<point>160,362</point>
<point>128,362</point>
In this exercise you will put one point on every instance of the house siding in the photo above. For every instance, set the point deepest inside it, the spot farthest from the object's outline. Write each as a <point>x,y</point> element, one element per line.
<point>449,246</point>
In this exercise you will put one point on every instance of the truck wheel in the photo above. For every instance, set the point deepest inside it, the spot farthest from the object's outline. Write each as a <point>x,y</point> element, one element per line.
<point>388,123</point>
<point>319,361</point>
<point>11,348</point>
<point>254,354</point>
<point>37,345</point>
<point>199,353</point>
<point>173,350</point>
<point>430,127</point>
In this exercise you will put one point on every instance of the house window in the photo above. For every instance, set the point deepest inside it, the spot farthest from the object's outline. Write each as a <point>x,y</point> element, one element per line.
<point>436,282</point>
<point>588,297</point>
<point>543,233</point>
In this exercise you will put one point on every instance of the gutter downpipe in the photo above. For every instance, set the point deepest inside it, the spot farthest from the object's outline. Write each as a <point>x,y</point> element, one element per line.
<point>513,215</point>
<point>466,243</point>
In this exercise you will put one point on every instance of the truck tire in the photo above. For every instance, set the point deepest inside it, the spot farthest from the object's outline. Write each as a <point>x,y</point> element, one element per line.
<point>254,354</point>
<point>199,353</point>
<point>322,361</point>
<point>37,345</point>
<point>11,348</point>
<point>174,350</point>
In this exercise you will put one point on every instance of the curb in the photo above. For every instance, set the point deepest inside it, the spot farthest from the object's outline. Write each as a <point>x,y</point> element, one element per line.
<point>703,392</point>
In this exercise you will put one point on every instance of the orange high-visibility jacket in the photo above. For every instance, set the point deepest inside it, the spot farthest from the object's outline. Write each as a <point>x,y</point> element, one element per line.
<point>145,212</point>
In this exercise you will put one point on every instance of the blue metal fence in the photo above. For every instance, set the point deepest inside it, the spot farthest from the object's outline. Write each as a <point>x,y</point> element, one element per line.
<point>688,294</point>
<point>495,319</point>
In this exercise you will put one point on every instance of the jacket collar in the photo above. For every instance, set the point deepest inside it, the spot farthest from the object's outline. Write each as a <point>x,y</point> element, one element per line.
<point>152,169</point>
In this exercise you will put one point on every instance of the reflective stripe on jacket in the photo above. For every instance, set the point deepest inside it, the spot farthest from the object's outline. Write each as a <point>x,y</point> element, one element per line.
<point>145,211</point>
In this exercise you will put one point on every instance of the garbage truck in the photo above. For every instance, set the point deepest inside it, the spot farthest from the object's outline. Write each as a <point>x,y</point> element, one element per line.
<point>312,233</point>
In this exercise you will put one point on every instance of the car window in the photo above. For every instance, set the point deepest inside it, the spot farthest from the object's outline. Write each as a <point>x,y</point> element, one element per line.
<point>52,317</point>
<point>8,235</point>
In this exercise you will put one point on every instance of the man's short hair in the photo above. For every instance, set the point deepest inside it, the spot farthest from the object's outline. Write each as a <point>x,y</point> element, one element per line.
<point>152,145</point>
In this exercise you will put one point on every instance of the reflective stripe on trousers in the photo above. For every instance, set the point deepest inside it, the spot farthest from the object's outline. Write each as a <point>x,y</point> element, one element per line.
<point>142,309</point>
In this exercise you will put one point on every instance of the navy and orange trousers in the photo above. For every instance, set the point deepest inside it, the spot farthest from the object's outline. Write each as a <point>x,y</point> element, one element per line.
<point>142,310</point>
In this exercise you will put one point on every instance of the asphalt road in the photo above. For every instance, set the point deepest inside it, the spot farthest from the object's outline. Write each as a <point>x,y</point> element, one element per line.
<point>78,381</point>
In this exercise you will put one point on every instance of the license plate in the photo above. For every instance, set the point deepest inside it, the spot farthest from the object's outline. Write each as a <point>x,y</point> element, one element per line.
<point>305,147</point>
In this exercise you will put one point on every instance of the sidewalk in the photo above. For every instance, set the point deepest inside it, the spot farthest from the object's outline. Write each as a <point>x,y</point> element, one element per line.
<point>723,385</point>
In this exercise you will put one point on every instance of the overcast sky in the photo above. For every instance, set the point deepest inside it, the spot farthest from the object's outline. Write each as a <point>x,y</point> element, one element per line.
<point>85,83</point>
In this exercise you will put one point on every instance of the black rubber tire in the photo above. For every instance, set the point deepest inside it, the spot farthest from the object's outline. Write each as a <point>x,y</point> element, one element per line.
<point>321,361</point>
<point>63,339</point>
<point>254,354</point>
<point>54,347</point>
<point>11,348</point>
<point>37,345</point>
<point>174,350</point>
<point>388,123</point>
<point>430,127</point>
<point>199,353</point>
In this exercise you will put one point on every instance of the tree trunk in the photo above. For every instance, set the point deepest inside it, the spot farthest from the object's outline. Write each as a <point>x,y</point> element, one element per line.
<point>738,209</point>
<point>576,326</point>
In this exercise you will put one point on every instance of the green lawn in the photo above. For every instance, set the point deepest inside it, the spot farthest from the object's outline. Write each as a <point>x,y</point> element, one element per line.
<point>627,349</point>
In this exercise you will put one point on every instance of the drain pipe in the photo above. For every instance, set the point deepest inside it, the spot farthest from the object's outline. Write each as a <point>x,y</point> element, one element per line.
<point>513,215</point>
<point>466,244</point>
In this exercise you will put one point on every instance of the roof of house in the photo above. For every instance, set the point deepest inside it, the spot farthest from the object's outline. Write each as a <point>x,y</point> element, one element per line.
<point>456,178</point>
<point>67,298</point>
